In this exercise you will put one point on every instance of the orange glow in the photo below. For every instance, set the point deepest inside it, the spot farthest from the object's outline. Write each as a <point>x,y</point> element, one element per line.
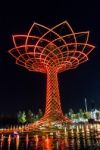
<point>17,142</point>
<point>51,51</point>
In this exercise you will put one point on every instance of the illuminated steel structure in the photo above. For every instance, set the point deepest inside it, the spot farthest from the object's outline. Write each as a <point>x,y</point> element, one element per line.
<point>51,51</point>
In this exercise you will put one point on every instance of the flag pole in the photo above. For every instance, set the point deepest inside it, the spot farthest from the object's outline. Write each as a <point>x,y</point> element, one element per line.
<point>85,104</point>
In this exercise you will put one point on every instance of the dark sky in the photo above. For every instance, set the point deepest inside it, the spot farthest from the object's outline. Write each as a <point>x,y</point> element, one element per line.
<point>23,90</point>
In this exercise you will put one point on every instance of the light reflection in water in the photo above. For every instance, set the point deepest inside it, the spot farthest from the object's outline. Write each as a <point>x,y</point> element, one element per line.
<point>82,141</point>
<point>27,140</point>
<point>9,141</point>
<point>48,143</point>
<point>17,142</point>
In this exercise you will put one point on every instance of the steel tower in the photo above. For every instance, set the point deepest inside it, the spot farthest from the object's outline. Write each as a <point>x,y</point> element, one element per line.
<point>51,51</point>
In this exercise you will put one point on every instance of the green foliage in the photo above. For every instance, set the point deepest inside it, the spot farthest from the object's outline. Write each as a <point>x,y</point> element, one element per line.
<point>21,117</point>
<point>85,116</point>
<point>29,116</point>
<point>98,115</point>
<point>70,113</point>
<point>81,113</point>
<point>40,113</point>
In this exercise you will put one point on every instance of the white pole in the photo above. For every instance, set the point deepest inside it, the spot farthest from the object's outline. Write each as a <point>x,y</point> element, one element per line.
<point>85,104</point>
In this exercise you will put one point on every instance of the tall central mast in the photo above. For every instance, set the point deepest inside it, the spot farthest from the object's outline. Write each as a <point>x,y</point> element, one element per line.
<point>53,107</point>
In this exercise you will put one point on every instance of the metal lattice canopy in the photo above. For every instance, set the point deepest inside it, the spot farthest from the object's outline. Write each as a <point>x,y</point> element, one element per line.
<point>51,50</point>
<point>59,47</point>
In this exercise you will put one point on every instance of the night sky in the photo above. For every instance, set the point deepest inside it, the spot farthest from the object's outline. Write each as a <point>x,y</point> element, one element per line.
<point>23,90</point>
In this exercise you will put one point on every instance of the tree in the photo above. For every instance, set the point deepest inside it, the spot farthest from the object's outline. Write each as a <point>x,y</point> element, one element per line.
<point>97,115</point>
<point>30,116</point>
<point>40,113</point>
<point>70,113</point>
<point>85,115</point>
<point>80,113</point>
<point>21,117</point>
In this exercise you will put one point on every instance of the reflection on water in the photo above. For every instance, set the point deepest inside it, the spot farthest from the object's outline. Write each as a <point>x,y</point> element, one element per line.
<point>76,138</point>
<point>35,142</point>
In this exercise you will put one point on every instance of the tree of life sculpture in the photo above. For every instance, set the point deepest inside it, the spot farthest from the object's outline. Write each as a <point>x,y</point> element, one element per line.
<point>51,51</point>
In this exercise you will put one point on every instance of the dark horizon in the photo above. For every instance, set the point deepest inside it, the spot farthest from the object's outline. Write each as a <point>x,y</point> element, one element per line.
<point>23,90</point>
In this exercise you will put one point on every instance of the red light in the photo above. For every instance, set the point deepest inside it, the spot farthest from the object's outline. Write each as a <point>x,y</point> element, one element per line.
<point>50,51</point>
